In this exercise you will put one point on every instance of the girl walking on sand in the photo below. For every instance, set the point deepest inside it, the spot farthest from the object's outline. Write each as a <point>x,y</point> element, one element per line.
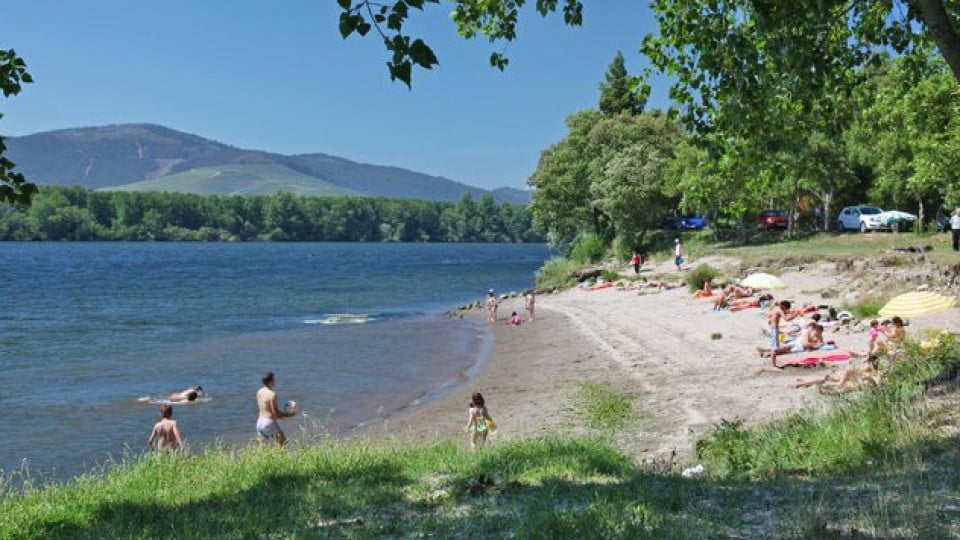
<point>478,421</point>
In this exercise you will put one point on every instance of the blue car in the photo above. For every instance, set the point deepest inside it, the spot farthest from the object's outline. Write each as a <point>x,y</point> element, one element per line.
<point>693,222</point>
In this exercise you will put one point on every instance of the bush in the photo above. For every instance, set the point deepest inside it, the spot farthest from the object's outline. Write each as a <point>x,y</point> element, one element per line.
<point>556,273</point>
<point>865,308</point>
<point>696,277</point>
<point>611,275</point>
<point>588,248</point>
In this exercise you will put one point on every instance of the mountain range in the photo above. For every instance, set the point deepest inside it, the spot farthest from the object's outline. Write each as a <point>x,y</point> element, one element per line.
<point>148,157</point>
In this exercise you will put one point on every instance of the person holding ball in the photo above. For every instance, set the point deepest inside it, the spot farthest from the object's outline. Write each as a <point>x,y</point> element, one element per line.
<point>270,413</point>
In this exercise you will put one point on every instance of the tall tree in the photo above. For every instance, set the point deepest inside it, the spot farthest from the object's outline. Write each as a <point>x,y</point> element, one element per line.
<point>617,94</point>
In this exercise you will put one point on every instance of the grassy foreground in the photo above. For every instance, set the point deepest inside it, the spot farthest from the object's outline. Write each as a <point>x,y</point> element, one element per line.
<point>883,463</point>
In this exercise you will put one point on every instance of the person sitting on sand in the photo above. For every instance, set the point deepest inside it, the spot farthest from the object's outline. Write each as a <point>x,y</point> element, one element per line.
<point>797,328</point>
<point>514,319</point>
<point>722,301</point>
<point>845,379</point>
<point>810,339</point>
<point>165,433</point>
<point>896,336</point>
<point>707,290</point>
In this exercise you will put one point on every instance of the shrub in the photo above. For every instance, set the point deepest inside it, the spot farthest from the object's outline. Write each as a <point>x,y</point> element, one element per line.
<point>865,307</point>
<point>556,273</point>
<point>588,248</point>
<point>696,277</point>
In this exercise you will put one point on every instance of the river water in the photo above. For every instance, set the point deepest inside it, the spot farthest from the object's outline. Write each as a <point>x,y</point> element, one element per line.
<point>353,332</point>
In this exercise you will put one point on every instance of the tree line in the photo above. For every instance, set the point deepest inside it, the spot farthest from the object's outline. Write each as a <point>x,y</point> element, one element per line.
<point>78,213</point>
<point>890,137</point>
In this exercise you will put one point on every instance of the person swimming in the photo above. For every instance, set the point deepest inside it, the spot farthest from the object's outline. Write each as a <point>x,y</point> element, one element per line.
<point>189,395</point>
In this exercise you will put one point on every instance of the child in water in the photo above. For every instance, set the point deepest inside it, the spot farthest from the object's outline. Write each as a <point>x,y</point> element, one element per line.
<point>478,421</point>
<point>165,432</point>
<point>514,319</point>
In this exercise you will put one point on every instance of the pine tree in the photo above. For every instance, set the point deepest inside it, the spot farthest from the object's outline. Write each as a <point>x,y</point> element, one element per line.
<point>615,94</point>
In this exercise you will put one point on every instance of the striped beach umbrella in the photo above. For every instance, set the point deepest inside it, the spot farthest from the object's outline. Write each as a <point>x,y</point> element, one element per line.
<point>916,303</point>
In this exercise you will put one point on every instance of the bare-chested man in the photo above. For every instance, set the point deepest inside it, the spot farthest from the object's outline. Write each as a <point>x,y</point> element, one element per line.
<point>165,433</point>
<point>810,339</point>
<point>267,425</point>
<point>779,312</point>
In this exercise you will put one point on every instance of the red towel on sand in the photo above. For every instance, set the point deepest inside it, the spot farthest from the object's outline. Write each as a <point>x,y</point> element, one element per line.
<point>815,358</point>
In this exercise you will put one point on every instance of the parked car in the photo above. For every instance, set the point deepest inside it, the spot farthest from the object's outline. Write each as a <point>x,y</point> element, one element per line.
<point>693,221</point>
<point>772,219</point>
<point>860,218</point>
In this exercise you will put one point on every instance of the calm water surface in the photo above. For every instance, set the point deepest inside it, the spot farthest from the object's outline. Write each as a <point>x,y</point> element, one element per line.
<point>353,331</point>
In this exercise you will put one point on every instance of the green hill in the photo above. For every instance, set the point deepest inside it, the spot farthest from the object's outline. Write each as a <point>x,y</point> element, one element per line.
<point>135,157</point>
<point>238,180</point>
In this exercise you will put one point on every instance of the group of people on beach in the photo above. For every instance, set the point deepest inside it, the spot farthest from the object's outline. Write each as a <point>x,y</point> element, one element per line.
<point>493,304</point>
<point>795,330</point>
<point>165,435</point>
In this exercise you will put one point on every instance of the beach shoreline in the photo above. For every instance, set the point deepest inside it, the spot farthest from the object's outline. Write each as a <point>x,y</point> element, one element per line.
<point>688,367</point>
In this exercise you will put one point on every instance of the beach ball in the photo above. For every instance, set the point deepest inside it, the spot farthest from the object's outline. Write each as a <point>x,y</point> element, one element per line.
<point>290,407</point>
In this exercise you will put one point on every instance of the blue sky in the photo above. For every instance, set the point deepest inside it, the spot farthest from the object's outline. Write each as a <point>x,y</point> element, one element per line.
<point>278,77</point>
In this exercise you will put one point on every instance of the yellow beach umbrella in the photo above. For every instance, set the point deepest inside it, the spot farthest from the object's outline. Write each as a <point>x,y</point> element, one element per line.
<point>915,303</point>
<point>762,280</point>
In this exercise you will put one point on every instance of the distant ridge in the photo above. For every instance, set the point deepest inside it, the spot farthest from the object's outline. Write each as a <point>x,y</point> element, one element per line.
<point>148,157</point>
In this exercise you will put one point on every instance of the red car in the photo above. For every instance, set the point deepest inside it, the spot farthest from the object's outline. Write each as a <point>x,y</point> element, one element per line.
<point>772,219</point>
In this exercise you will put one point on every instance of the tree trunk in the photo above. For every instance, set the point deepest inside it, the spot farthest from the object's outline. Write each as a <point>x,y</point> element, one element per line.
<point>792,217</point>
<point>827,203</point>
<point>935,16</point>
<point>920,213</point>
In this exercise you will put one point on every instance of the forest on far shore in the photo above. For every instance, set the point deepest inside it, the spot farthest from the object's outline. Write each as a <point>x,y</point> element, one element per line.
<point>77,213</point>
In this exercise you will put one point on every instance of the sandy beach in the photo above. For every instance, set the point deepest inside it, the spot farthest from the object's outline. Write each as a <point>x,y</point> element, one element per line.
<point>658,346</point>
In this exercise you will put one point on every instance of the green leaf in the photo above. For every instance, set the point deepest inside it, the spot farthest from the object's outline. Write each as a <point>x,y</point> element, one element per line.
<point>347,25</point>
<point>422,54</point>
<point>401,70</point>
<point>344,4</point>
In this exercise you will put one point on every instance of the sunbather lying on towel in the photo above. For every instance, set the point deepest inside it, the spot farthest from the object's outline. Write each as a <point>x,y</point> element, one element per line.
<point>846,378</point>
<point>746,303</point>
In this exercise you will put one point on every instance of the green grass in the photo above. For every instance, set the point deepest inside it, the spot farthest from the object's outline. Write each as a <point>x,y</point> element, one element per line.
<point>604,408</point>
<point>832,246</point>
<point>878,464</point>
<point>238,179</point>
